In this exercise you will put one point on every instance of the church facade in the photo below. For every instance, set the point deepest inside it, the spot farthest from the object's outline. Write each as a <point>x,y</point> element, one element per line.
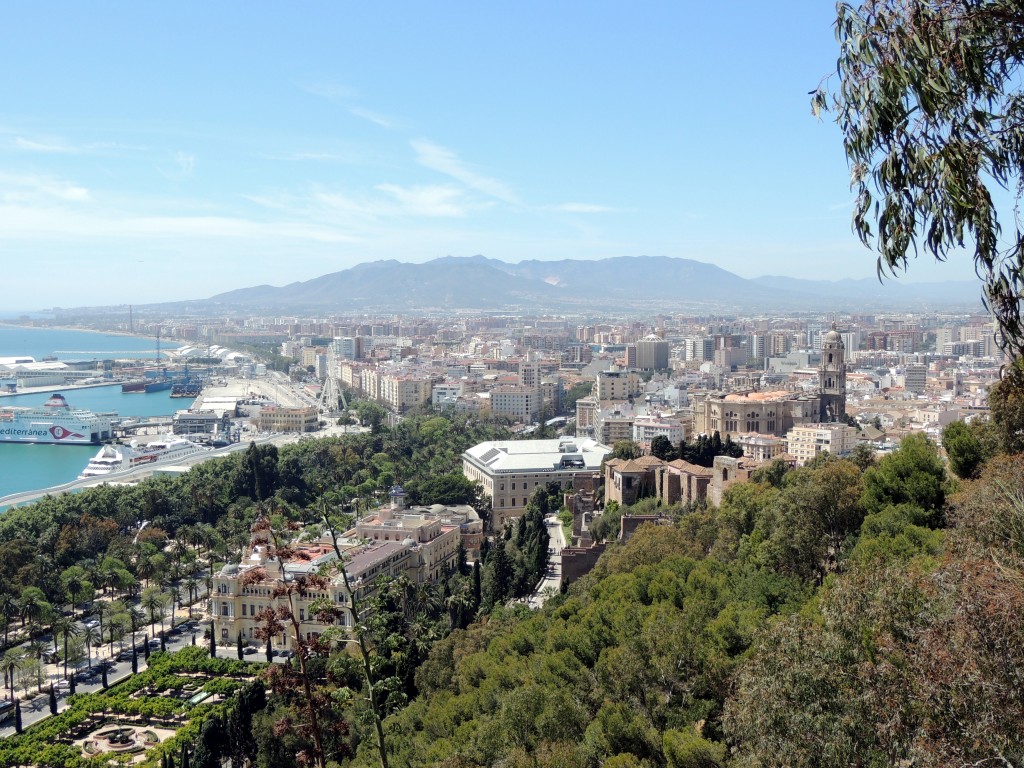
<point>776,412</point>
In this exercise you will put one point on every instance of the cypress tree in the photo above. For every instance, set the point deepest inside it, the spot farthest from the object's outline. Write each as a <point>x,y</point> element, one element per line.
<point>103,676</point>
<point>476,585</point>
<point>135,658</point>
<point>145,647</point>
<point>163,642</point>
<point>71,685</point>
<point>213,645</point>
<point>270,651</point>
<point>239,649</point>
<point>17,717</point>
<point>53,701</point>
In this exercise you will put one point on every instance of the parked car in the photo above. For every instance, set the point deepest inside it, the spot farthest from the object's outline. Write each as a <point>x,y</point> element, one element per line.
<point>249,649</point>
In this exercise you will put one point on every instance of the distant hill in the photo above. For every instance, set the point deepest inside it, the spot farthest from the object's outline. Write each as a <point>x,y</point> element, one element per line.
<point>622,283</point>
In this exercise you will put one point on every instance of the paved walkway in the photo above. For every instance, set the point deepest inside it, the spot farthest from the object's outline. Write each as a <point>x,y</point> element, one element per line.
<point>552,581</point>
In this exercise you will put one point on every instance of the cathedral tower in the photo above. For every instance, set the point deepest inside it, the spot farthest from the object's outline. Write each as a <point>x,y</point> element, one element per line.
<point>832,376</point>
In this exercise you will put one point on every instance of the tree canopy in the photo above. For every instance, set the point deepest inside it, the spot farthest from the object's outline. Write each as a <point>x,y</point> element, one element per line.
<point>928,99</point>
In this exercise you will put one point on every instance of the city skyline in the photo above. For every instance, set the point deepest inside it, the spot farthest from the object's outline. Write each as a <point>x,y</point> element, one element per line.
<point>160,154</point>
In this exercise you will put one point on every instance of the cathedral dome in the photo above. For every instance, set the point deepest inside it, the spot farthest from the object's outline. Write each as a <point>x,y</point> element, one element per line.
<point>833,336</point>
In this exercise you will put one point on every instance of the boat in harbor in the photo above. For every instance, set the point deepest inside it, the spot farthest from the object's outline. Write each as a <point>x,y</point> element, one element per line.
<point>117,458</point>
<point>147,385</point>
<point>55,421</point>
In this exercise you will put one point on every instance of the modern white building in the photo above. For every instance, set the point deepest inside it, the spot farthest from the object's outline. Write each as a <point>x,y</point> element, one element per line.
<point>646,429</point>
<point>806,441</point>
<point>510,470</point>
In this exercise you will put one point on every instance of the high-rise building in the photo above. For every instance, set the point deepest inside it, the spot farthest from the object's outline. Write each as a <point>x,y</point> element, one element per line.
<point>915,378</point>
<point>652,353</point>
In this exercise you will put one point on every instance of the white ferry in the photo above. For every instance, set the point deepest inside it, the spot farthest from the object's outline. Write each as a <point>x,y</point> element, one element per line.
<point>117,458</point>
<point>53,422</point>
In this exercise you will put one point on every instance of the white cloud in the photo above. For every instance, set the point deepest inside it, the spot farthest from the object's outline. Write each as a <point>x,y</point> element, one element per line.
<point>428,200</point>
<point>444,160</point>
<point>51,146</point>
<point>373,117</point>
<point>29,188</point>
<point>40,223</point>
<point>186,163</point>
<point>583,208</point>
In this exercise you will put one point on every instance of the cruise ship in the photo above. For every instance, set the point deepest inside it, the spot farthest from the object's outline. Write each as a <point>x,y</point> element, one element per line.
<point>53,422</point>
<point>117,458</point>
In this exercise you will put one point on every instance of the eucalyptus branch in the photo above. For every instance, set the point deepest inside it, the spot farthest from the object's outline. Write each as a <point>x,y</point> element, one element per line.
<point>360,640</point>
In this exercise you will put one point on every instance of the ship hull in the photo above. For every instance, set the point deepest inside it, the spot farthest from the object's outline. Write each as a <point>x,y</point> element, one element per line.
<point>55,422</point>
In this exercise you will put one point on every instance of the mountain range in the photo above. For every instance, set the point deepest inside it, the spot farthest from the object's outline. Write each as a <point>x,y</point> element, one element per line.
<point>633,283</point>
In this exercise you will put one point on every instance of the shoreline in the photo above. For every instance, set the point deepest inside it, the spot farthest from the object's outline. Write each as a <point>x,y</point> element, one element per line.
<point>77,329</point>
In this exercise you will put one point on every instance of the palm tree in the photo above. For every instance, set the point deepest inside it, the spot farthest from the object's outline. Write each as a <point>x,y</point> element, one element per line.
<point>77,589</point>
<point>152,601</point>
<point>145,567</point>
<point>192,587</point>
<point>35,654</point>
<point>136,617</point>
<point>93,636</point>
<point>116,610</point>
<point>9,608</point>
<point>31,604</point>
<point>102,611</point>
<point>175,601</point>
<point>13,660</point>
<point>67,628</point>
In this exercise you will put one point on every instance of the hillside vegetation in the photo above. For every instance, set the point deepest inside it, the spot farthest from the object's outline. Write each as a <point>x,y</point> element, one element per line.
<point>822,616</point>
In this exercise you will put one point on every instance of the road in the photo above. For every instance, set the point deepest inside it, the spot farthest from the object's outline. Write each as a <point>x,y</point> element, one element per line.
<point>39,707</point>
<point>552,581</point>
<point>135,475</point>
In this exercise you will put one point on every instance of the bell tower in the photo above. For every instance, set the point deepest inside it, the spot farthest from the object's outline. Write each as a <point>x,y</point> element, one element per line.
<point>832,377</point>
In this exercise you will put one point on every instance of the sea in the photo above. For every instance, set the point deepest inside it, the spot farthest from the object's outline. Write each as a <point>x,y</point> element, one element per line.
<point>27,467</point>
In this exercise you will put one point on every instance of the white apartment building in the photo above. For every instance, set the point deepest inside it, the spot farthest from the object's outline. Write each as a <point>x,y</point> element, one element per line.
<point>806,441</point>
<point>517,402</point>
<point>616,385</point>
<point>402,392</point>
<point>445,394</point>
<point>646,429</point>
<point>510,470</point>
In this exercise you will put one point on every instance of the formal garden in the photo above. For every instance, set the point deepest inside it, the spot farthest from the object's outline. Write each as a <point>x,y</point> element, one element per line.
<point>153,718</point>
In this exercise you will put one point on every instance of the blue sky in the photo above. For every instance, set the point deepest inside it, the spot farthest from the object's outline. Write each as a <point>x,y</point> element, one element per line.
<point>164,151</point>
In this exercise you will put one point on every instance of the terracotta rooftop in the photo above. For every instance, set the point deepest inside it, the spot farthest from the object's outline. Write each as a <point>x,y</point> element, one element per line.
<point>760,397</point>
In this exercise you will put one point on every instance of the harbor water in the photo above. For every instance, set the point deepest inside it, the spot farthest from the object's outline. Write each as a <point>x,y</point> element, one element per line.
<point>26,467</point>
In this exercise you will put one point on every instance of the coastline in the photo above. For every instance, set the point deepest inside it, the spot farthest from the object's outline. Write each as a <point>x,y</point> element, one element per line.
<point>7,324</point>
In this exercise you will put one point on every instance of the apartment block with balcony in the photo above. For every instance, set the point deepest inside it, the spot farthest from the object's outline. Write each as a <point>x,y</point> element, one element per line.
<point>806,441</point>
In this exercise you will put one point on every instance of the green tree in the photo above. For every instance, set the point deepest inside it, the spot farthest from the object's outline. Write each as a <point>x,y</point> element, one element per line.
<point>929,104</point>
<point>1006,402</point>
<point>912,474</point>
<point>626,449</point>
<point>964,450</point>
<point>662,447</point>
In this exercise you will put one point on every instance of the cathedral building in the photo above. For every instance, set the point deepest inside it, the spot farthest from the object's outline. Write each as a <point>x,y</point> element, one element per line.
<point>776,412</point>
